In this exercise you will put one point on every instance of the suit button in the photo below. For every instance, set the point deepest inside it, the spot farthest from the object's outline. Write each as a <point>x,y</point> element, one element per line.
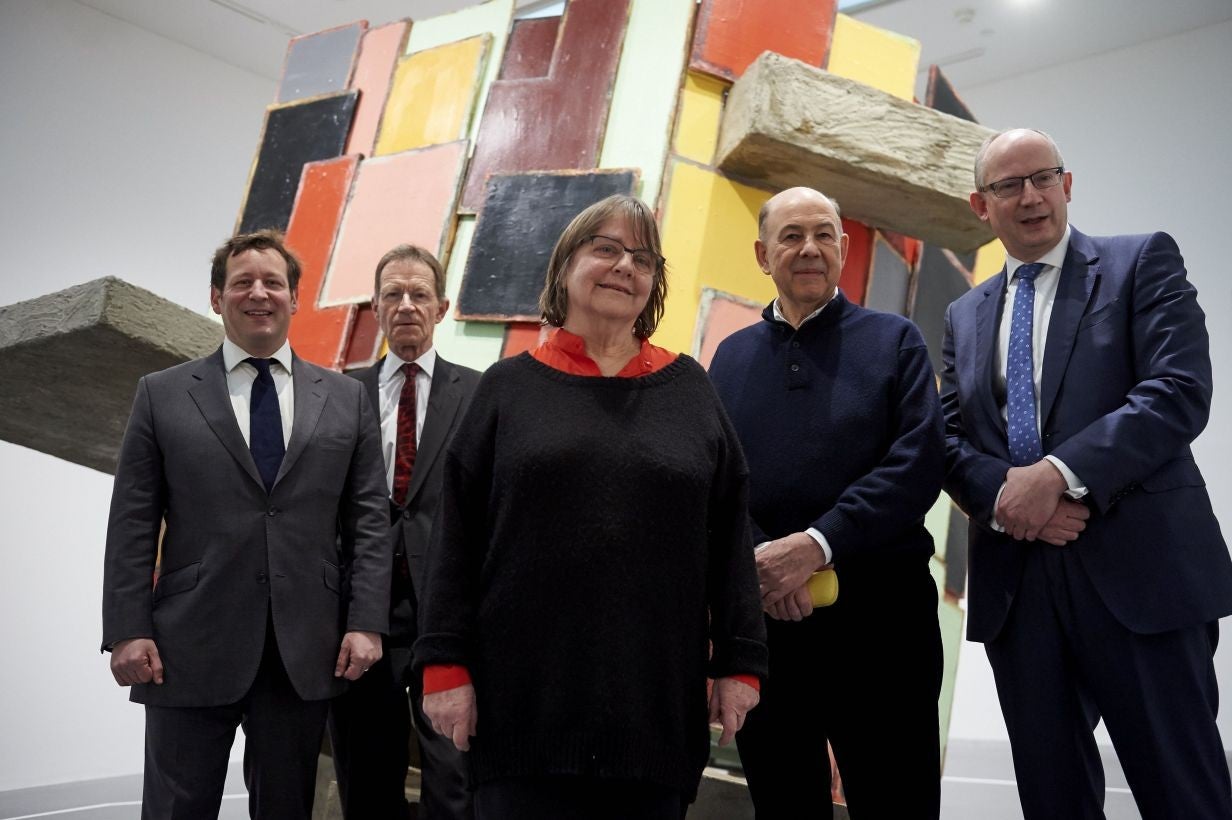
<point>406,514</point>
<point>261,578</point>
<point>272,511</point>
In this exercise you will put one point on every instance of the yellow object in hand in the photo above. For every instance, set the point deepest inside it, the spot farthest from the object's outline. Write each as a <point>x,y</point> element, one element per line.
<point>823,587</point>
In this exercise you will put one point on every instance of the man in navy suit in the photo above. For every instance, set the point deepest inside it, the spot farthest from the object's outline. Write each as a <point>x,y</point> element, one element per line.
<point>370,726</point>
<point>1073,384</point>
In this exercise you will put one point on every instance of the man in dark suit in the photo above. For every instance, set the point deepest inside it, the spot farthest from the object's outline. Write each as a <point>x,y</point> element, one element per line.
<point>1074,382</point>
<point>420,399</point>
<point>264,472</point>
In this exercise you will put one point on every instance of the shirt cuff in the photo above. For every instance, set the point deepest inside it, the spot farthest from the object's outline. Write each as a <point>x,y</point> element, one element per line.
<point>996,502</point>
<point>441,677</point>
<point>816,535</point>
<point>1076,488</point>
<point>749,680</point>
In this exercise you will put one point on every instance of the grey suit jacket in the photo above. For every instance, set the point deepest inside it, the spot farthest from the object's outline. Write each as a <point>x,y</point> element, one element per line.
<point>233,556</point>
<point>411,524</point>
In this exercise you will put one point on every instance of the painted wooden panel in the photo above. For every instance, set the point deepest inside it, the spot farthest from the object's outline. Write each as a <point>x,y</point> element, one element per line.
<point>320,63</point>
<point>956,553</point>
<point>433,96</point>
<point>521,220</point>
<point>989,261</point>
<point>940,279</point>
<point>554,122</point>
<point>406,197</point>
<point>719,316</point>
<point>937,522</point>
<point>474,344</point>
<point>908,247</point>
<point>529,52</point>
<point>709,225</point>
<point>494,17</point>
<point>875,57</point>
<point>522,336</point>
<point>647,89</point>
<point>294,134</point>
<point>319,334</point>
<point>854,279</point>
<point>950,619</point>
<point>365,342</point>
<point>701,113</point>
<point>731,33</point>
<point>889,286</point>
<point>374,70</point>
<point>940,94</point>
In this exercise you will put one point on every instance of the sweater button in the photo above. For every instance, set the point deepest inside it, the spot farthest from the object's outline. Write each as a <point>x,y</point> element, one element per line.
<point>795,368</point>
<point>795,344</point>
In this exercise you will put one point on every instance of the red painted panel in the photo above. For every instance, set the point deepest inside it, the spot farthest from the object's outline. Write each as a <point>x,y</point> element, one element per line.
<point>554,122</point>
<point>521,336</point>
<point>731,34</point>
<point>529,51</point>
<point>318,334</point>
<point>854,280</point>
<point>365,342</point>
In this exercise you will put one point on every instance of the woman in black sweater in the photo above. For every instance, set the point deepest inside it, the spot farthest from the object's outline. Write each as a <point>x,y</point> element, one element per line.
<point>591,564</point>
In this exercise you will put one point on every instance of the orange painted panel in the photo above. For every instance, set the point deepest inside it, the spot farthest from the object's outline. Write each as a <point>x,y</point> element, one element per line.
<point>731,34</point>
<point>405,197</point>
<point>854,279</point>
<point>522,336</point>
<point>319,334</point>
<point>378,54</point>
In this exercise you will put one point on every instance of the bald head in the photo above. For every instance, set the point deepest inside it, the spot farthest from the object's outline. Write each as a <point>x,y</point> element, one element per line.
<point>1007,140</point>
<point>792,195</point>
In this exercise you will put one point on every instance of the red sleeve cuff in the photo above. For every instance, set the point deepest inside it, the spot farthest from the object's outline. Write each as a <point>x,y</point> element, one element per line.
<point>750,680</point>
<point>440,677</point>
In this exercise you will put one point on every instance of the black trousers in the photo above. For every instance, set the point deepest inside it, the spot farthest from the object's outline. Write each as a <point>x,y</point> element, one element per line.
<point>827,674</point>
<point>1062,661</point>
<point>575,797</point>
<point>186,750</point>
<point>370,729</point>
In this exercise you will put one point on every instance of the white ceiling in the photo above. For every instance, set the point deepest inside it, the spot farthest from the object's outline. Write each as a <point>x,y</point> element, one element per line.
<point>974,41</point>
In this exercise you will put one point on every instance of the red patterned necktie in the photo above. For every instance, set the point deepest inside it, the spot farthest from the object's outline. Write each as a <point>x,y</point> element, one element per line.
<point>404,446</point>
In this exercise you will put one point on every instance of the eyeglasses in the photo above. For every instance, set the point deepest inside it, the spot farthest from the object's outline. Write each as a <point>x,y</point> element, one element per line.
<point>1012,186</point>
<point>610,250</point>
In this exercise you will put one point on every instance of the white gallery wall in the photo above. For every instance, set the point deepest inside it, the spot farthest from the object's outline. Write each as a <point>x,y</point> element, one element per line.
<point>123,153</point>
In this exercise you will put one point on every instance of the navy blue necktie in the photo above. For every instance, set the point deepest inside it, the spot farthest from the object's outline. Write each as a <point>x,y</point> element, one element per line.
<point>1022,429</point>
<point>265,424</point>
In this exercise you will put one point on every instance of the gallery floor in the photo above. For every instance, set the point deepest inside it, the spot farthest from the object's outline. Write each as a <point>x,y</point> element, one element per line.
<point>978,785</point>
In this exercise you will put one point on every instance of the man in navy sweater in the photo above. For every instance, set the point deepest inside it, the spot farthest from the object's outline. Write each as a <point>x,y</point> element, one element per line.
<point>837,409</point>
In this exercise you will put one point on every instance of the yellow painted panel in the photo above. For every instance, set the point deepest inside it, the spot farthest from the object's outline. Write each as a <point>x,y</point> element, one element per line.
<point>644,98</point>
<point>709,226</point>
<point>989,261</point>
<point>433,96</point>
<point>874,56</point>
<point>701,109</point>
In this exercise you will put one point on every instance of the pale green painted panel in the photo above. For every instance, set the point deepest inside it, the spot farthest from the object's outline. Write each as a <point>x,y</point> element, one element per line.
<point>950,616</point>
<point>494,17</point>
<point>639,124</point>
<point>937,522</point>
<point>474,344</point>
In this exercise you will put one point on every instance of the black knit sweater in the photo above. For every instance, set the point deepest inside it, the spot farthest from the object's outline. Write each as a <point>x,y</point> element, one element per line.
<point>592,536</point>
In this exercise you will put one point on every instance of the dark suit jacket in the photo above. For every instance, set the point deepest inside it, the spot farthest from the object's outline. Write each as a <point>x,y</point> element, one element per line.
<point>231,553</point>
<point>1126,387</point>
<point>452,386</point>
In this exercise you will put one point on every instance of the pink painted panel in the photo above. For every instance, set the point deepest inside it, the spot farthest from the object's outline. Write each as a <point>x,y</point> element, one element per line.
<point>378,54</point>
<point>556,122</point>
<point>726,314</point>
<point>405,197</point>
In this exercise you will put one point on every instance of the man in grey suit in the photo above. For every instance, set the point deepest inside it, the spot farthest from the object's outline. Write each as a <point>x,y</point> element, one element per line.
<point>420,398</point>
<point>264,473</point>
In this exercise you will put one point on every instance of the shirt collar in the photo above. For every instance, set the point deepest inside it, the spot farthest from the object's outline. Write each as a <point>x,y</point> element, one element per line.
<point>393,364</point>
<point>1055,258</point>
<point>233,355</point>
<point>574,346</point>
<point>778,312</point>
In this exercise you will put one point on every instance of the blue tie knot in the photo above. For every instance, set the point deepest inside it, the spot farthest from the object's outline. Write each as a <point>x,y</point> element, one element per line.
<point>262,366</point>
<point>1029,271</point>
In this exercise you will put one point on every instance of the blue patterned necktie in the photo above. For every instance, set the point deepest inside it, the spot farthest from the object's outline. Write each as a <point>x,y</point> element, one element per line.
<point>265,424</point>
<point>1019,373</point>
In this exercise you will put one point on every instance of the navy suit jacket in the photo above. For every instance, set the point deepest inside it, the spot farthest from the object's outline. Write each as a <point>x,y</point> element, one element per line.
<point>452,386</point>
<point>1126,387</point>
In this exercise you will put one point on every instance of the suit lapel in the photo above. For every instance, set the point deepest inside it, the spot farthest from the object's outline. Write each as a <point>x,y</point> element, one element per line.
<point>986,315</point>
<point>443,404</point>
<point>209,392</point>
<point>1078,277</point>
<point>310,400</point>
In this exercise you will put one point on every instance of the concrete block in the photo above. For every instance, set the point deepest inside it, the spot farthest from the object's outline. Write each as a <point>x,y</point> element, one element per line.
<point>70,361</point>
<point>890,163</point>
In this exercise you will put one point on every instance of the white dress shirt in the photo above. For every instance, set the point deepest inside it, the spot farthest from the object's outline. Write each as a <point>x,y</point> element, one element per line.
<point>389,388</point>
<point>241,375</point>
<point>1045,295</point>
